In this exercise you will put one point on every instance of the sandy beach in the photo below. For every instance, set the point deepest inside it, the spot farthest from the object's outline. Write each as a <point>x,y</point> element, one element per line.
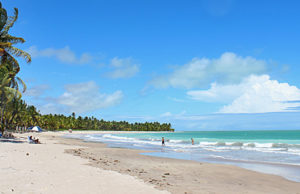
<point>46,168</point>
<point>60,165</point>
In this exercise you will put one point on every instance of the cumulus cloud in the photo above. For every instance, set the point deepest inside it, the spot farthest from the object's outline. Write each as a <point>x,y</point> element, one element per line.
<point>79,98</point>
<point>64,55</point>
<point>229,68</point>
<point>217,93</point>
<point>255,94</point>
<point>37,90</point>
<point>123,68</point>
<point>85,97</point>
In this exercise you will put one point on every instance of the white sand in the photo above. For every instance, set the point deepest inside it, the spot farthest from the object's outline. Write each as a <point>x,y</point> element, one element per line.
<point>47,169</point>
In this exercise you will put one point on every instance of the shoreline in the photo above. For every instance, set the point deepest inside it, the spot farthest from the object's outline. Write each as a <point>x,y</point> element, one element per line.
<point>165,174</point>
<point>289,171</point>
<point>182,174</point>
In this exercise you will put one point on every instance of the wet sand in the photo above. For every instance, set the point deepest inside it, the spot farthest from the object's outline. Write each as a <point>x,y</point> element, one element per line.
<point>181,176</point>
<point>173,175</point>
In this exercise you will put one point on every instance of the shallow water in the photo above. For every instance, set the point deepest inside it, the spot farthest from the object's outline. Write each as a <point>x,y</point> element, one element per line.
<point>273,152</point>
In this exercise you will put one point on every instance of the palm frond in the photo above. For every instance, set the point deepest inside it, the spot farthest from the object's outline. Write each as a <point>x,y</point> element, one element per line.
<point>10,63</point>
<point>12,93</point>
<point>19,53</point>
<point>5,44</point>
<point>11,39</point>
<point>19,80</point>
<point>10,22</point>
<point>5,81</point>
<point>3,18</point>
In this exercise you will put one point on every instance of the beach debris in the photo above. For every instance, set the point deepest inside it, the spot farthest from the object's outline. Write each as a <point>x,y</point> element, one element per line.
<point>142,171</point>
<point>153,180</point>
<point>167,173</point>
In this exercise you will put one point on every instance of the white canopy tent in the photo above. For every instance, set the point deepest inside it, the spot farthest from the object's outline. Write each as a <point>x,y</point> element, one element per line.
<point>36,128</point>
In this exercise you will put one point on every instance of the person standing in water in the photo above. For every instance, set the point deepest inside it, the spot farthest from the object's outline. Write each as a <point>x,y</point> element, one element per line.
<point>163,141</point>
<point>192,141</point>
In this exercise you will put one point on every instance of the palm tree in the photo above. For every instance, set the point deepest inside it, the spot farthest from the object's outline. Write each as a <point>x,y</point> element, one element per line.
<point>7,94</point>
<point>9,82</point>
<point>6,40</point>
<point>7,50</point>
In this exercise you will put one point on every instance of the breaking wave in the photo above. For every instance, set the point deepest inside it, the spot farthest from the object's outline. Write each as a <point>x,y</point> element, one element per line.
<point>208,145</point>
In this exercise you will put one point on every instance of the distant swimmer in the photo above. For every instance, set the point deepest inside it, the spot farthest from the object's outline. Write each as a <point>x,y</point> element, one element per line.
<point>162,141</point>
<point>192,141</point>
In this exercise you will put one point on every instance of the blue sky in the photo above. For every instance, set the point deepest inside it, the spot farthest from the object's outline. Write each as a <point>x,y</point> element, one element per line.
<point>201,65</point>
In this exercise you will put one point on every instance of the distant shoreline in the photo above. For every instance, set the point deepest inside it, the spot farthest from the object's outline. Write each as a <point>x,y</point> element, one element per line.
<point>191,173</point>
<point>67,173</point>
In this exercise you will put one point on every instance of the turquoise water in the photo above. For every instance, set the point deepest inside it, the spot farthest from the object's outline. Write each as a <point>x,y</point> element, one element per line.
<point>288,136</point>
<point>274,152</point>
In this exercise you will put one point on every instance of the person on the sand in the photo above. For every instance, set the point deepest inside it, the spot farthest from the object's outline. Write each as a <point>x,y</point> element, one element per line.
<point>163,141</point>
<point>33,140</point>
<point>37,141</point>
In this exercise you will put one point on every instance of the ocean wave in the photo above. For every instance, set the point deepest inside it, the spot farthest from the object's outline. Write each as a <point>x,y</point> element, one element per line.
<point>239,144</point>
<point>185,145</point>
<point>176,141</point>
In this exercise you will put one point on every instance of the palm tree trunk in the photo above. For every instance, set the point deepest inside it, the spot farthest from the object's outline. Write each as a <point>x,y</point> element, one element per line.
<point>2,120</point>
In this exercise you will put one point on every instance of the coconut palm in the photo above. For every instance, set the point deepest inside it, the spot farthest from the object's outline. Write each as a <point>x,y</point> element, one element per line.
<point>7,50</point>
<point>7,94</point>
<point>9,66</point>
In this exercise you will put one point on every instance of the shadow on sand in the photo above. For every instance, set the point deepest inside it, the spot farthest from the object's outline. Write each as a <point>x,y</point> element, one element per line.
<point>10,140</point>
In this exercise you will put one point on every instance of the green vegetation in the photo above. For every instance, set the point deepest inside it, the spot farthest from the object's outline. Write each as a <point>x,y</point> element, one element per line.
<point>9,68</point>
<point>14,112</point>
<point>22,115</point>
<point>55,122</point>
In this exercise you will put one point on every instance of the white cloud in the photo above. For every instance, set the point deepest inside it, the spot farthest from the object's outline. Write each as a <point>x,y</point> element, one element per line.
<point>51,108</point>
<point>174,116</point>
<point>217,93</point>
<point>176,99</point>
<point>64,55</point>
<point>123,68</point>
<point>37,90</point>
<point>79,98</point>
<point>85,97</point>
<point>166,114</point>
<point>255,94</point>
<point>229,68</point>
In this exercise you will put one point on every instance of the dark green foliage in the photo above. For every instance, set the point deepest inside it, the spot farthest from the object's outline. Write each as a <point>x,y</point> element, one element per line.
<point>55,122</point>
<point>9,68</point>
<point>23,115</point>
